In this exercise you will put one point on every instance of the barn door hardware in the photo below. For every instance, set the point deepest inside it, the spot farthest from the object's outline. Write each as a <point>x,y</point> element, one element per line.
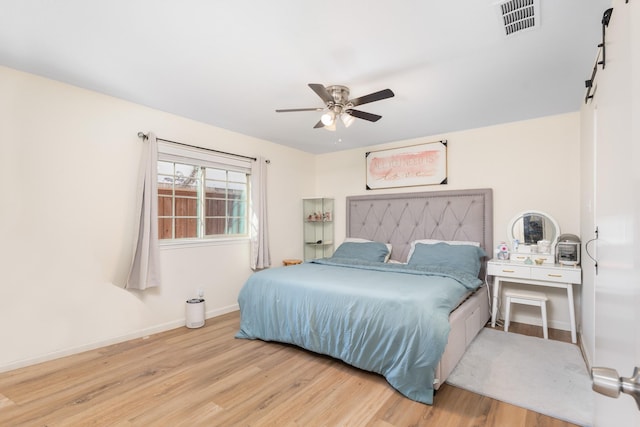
<point>606,17</point>
<point>605,23</point>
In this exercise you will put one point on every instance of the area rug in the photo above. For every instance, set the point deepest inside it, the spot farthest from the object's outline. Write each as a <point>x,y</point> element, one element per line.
<point>545,376</point>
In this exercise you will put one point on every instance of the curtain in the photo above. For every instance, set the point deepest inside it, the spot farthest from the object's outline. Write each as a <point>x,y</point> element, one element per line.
<point>145,267</point>
<point>260,257</point>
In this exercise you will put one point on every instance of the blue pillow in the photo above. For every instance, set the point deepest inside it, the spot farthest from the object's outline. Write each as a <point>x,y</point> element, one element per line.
<point>368,251</point>
<point>464,258</point>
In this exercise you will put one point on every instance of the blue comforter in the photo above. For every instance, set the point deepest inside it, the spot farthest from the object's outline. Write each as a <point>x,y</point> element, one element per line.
<point>391,319</point>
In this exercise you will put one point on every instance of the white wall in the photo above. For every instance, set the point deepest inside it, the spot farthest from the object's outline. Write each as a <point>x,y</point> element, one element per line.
<point>68,170</point>
<point>533,164</point>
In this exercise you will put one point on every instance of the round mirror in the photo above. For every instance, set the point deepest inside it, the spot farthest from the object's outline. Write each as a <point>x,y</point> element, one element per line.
<point>530,227</point>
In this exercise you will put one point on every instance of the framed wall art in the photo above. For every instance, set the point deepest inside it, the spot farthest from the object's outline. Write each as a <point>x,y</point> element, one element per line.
<point>423,164</point>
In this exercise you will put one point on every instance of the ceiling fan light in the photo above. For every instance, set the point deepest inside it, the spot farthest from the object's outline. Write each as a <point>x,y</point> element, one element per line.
<point>328,118</point>
<point>331,127</point>
<point>347,119</point>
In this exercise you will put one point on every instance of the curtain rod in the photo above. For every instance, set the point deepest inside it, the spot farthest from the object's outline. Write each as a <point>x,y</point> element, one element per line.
<point>144,136</point>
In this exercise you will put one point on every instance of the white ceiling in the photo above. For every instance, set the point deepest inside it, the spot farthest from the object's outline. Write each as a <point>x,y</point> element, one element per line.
<point>232,63</point>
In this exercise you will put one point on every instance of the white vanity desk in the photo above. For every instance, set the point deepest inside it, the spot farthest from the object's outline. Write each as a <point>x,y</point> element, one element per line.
<point>550,275</point>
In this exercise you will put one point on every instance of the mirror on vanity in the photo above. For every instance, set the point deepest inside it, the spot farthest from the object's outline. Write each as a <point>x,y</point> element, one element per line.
<point>533,236</point>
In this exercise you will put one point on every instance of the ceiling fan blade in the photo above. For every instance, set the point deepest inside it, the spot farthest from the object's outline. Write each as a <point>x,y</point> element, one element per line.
<point>376,96</point>
<point>319,125</point>
<point>322,92</point>
<point>289,110</point>
<point>364,115</point>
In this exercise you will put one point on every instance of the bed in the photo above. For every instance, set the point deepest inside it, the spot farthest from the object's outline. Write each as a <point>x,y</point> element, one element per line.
<point>408,314</point>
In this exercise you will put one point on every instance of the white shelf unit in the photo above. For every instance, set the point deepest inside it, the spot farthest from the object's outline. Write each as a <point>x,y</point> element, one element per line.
<point>318,227</point>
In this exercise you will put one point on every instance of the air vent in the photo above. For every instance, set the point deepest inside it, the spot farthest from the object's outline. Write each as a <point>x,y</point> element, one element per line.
<point>519,15</point>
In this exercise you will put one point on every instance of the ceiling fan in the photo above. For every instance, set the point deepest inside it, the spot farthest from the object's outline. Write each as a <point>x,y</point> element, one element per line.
<point>338,105</point>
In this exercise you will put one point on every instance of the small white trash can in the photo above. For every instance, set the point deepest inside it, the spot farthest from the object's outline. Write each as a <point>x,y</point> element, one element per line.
<point>195,313</point>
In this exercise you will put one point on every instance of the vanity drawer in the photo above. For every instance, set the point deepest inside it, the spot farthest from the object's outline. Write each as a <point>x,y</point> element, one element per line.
<point>521,271</point>
<point>522,257</point>
<point>563,275</point>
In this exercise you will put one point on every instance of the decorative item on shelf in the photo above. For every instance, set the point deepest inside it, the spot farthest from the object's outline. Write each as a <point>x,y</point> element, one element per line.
<point>319,217</point>
<point>528,261</point>
<point>524,249</point>
<point>544,246</point>
<point>502,251</point>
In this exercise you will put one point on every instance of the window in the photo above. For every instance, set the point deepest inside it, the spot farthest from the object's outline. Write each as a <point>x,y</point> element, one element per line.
<point>201,195</point>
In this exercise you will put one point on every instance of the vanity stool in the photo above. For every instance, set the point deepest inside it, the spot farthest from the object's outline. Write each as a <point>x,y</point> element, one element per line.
<point>538,299</point>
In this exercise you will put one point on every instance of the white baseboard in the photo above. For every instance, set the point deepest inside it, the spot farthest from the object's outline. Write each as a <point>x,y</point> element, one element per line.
<point>115,340</point>
<point>585,354</point>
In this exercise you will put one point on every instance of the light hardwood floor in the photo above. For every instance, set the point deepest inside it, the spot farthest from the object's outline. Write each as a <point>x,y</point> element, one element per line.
<point>206,377</point>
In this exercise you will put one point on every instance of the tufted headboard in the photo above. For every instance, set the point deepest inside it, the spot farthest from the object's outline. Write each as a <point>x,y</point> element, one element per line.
<point>403,217</point>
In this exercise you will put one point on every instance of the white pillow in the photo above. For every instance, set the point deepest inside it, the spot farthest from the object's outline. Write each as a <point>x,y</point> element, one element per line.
<point>433,242</point>
<point>359,240</point>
